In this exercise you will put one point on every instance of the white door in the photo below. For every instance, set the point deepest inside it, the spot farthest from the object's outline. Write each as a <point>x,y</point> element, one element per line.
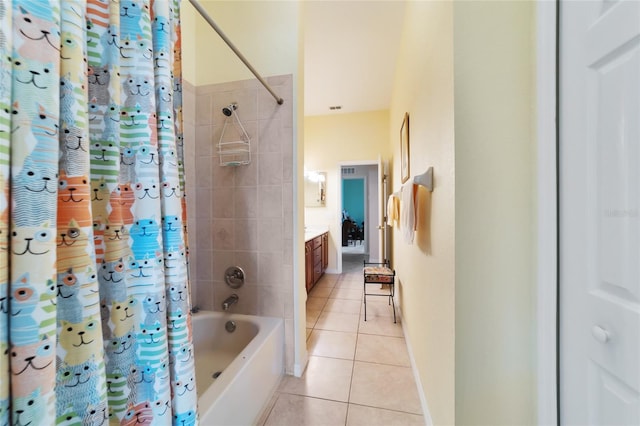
<point>599,212</point>
<point>382,213</point>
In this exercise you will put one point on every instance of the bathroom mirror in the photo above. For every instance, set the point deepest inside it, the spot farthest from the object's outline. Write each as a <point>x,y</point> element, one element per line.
<point>315,189</point>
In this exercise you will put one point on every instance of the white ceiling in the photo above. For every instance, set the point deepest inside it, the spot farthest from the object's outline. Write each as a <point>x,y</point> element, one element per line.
<point>350,54</point>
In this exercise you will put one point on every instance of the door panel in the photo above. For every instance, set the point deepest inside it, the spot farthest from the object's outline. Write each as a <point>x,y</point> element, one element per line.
<point>600,212</point>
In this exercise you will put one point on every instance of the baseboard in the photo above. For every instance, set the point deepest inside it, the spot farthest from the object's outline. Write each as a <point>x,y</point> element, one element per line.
<point>423,399</point>
<point>331,271</point>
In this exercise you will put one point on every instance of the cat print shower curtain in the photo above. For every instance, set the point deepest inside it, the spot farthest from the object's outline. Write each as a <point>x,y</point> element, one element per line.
<point>95,322</point>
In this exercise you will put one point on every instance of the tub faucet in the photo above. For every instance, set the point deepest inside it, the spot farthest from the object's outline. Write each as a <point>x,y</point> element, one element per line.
<point>231,300</point>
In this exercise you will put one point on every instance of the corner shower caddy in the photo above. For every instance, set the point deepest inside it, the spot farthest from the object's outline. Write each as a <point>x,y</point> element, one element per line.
<point>236,152</point>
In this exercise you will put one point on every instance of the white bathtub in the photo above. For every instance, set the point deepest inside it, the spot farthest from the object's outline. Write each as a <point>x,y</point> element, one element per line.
<point>251,362</point>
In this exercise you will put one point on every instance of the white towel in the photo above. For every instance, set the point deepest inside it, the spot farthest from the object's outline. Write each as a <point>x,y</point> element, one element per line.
<point>393,210</point>
<point>407,212</point>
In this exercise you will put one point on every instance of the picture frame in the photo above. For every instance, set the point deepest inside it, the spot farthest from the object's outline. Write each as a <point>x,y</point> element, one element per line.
<point>404,148</point>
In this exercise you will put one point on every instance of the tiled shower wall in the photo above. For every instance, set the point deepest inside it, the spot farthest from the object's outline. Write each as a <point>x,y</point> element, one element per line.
<point>244,215</point>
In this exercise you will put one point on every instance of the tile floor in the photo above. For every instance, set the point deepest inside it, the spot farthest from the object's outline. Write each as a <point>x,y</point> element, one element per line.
<point>358,372</point>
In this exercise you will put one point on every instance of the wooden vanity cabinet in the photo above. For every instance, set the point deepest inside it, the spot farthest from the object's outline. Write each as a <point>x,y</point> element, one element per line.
<point>325,251</point>
<point>308,265</point>
<point>316,259</point>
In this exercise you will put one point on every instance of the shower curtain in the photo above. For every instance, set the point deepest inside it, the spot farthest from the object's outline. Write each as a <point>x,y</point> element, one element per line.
<point>95,320</point>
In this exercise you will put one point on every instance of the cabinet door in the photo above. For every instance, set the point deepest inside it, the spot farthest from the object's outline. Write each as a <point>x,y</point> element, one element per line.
<point>308,257</point>
<point>325,251</point>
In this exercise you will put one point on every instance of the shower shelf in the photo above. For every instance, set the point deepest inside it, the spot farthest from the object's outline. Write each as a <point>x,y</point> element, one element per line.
<point>234,152</point>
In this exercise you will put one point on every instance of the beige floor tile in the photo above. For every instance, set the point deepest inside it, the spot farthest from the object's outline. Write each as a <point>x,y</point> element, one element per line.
<point>336,321</point>
<point>295,410</point>
<point>382,350</point>
<point>359,415</point>
<point>320,291</point>
<point>346,293</point>
<point>315,303</point>
<point>333,344</point>
<point>378,307</point>
<point>353,285</point>
<point>384,386</point>
<point>344,306</point>
<point>322,283</point>
<point>329,278</point>
<point>309,330</point>
<point>356,277</point>
<point>326,378</point>
<point>312,318</point>
<point>383,326</point>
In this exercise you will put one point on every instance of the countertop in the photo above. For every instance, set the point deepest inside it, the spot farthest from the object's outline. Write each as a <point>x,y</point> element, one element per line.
<point>310,233</point>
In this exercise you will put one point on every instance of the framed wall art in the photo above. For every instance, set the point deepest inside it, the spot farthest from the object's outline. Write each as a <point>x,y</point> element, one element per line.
<point>404,148</point>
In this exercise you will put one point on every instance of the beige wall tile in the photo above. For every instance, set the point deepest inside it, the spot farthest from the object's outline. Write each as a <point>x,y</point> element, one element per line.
<point>223,232</point>
<point>246,231</point>
<point>247,175</point>
<point>204,172</point>
<point>270,169</point>
<point>203,238</point>
<point>222,175</point>
<point>271,134</point>
<point>204,267</point>
<point>203,109</point>
<point>223,203</point>
<point>242,209</point>
<point>246,202</point>
<point>270,201</point>
<point>203,294</point>
<point>270,268</point>
<point>270,235</point>
<point>270,301</point>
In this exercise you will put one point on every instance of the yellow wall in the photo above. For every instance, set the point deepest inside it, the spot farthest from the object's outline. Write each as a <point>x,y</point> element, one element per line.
<point>188,19</point>
<point>495,260</point>
<point>424,88</point>
<point>330,140</point>
<point>265,32</point>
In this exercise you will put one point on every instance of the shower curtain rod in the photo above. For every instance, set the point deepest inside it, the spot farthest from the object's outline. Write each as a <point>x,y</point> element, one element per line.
<point>244,60</point>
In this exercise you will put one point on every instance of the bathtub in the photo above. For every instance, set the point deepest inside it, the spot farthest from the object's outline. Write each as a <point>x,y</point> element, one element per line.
<point>247,363</point>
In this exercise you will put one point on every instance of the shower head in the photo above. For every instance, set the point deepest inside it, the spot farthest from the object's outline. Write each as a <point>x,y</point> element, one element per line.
<point>228,110</point>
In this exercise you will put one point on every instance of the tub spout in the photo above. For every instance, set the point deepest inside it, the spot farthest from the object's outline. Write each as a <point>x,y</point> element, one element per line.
<point>231,300</point>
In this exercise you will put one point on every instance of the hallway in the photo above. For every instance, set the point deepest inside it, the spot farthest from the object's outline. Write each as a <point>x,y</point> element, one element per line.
<point>359,372</point>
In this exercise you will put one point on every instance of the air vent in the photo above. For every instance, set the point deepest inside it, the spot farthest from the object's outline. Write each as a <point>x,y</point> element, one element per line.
<point>335,107</point>
<point>348,170</point>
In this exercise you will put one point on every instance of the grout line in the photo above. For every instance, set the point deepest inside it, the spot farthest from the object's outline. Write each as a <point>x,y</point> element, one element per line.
<point>387,409</point>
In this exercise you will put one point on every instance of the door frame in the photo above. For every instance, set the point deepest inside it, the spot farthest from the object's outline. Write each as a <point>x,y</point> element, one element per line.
<point>547,311</point>
<point>342,164</point>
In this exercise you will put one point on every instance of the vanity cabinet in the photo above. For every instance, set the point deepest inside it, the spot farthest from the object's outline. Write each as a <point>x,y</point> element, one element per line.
<point>308,265</point>
<point>316,252</point>
<point>325,251</point>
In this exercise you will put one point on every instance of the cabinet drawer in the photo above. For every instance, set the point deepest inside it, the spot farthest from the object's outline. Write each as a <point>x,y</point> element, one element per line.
<point>317,242</point>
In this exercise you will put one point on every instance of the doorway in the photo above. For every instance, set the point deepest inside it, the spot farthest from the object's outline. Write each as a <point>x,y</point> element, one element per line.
<point>599,220</point>
<point>359,213</point>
